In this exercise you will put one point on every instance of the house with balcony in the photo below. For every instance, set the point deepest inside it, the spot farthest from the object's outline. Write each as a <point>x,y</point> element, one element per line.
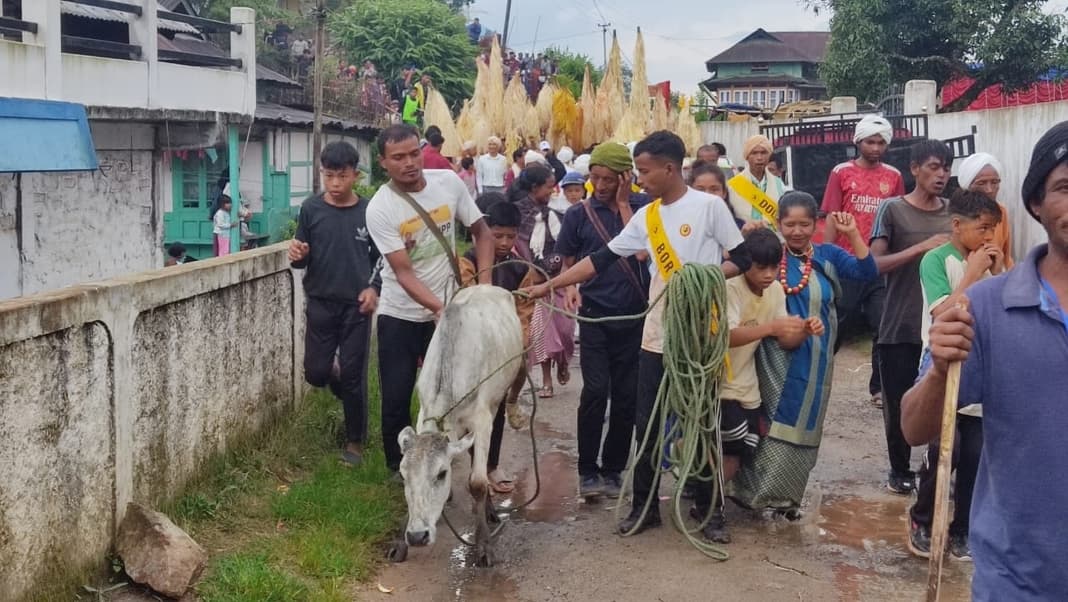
<point>119,120</point>
<point>766,69</point>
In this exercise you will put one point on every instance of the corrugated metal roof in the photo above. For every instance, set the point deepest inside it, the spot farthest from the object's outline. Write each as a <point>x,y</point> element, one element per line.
<point>277,113</point>
<point>107,14</point>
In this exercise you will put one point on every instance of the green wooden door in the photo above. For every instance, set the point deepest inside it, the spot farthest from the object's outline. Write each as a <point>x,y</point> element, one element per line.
<point>194,181</point>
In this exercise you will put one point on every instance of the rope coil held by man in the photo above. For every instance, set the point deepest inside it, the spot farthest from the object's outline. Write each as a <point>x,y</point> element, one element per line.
<point>686,416</point>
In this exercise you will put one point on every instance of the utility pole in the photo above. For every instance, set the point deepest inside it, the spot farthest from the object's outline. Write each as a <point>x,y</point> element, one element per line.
<point>507,19</point>
<point>317,82</point>
<point>604,42</point>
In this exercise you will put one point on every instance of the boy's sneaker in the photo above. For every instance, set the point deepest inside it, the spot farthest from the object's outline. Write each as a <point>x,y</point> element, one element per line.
<point>612,485</point>
<point>591,486</point>
<point>901,484</point>
<point>919,541</point>
<point>959,548</point>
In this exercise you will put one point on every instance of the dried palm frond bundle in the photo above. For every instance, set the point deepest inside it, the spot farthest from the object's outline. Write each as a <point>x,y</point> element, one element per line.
<point>437,113</point>
<point>494,107</point>
<point>588,104</point>
<point>544,105</point>
<point>531,129</point>
<point>565,118</point>
<point>687,129</point>
<point>610,101</point>
<point>465,126</point>
<point>659,118</point>
<point>515,106</point>
<point>638,107</point>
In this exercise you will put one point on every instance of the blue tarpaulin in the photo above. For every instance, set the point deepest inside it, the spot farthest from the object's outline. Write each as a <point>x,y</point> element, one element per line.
<point>44,135</point>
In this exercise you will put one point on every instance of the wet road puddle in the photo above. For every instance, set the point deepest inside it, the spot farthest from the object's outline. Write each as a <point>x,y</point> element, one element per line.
<point>557,500</point>
<point>470,583</point>
<point>864,524</point>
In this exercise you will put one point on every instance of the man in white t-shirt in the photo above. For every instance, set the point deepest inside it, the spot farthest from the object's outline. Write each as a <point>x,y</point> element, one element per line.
<point>417,279</point>
<point>699,227</point>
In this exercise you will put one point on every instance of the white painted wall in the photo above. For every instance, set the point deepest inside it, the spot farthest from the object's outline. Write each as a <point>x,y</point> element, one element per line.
<point>730,134</point>
<point>81,226</point>
<point>252,175</point>
<point>36,69</point>
<point>1010,135</point>
<point>9,250</point>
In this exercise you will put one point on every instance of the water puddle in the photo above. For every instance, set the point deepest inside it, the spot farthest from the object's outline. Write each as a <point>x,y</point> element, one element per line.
<point>557,500</point>
<point>864,524</point>
<point>468,582</point>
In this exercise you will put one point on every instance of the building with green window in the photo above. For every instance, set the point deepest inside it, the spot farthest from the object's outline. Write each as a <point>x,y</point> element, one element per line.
<point>277,171</point>
<point>766,69</point>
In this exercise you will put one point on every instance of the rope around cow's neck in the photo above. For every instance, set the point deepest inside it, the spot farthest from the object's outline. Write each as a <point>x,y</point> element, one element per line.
<point>696,341</point>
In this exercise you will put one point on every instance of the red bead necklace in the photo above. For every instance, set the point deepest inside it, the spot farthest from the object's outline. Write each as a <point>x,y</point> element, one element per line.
<point>806,271</point>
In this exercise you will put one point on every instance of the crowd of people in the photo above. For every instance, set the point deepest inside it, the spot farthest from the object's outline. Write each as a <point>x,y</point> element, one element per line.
<point>603,233</point>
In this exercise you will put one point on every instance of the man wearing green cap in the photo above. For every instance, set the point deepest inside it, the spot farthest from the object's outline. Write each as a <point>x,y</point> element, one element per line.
<point>608,350</point>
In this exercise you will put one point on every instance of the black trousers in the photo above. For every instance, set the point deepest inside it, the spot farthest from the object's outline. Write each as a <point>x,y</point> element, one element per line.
<point>898,365</point>
<point>647,464</point>
<point>339,329</point>
<point>966,454</point>
<point>401,344</point>
<point>860,309</point>
<point>496,435</point>
<point>608,355</point>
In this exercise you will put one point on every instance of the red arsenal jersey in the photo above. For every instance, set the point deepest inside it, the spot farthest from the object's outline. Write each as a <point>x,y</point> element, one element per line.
<point>859,191</point>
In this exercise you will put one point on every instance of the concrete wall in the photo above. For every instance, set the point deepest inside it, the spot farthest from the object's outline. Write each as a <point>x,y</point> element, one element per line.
<point>1010,135</point>
<point>730,134</point>
<point>36,68</point>
<point>119,391</point>
<point>79,226</point>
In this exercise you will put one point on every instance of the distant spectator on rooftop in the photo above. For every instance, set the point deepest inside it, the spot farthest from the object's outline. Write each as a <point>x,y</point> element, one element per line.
<point>368,70</point>
<point>403,83</point>
<point>474,31</point>
<point>299,45</point>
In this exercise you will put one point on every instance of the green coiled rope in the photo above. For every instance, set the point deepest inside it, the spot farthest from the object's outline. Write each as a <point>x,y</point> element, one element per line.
<point>685,417</point>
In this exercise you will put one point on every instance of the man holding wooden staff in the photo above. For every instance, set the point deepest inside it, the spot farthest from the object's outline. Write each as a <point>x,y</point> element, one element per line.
<point>1013,345</point>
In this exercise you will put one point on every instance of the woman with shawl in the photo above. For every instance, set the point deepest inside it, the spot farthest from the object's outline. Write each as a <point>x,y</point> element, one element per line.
<point>795,386</point>
<point>551,333</point>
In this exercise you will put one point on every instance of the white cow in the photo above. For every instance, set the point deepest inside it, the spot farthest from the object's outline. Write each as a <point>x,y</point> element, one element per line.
<point>477,352</point>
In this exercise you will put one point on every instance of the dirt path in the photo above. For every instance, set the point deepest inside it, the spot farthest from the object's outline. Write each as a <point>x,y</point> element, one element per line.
<point>852,548</point>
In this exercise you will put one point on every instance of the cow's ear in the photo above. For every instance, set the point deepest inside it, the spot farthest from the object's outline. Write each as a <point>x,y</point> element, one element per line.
<point>405,438</point>
<point>459,447</point>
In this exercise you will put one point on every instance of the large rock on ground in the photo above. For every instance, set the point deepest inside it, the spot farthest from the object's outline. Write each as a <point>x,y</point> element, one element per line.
<point>157,553</point>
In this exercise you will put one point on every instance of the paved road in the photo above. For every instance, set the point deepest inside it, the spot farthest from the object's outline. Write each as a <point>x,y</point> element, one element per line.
<point>849,546</point>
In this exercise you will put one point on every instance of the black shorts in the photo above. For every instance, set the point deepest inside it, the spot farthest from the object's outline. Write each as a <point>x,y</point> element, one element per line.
<point>739,427</point>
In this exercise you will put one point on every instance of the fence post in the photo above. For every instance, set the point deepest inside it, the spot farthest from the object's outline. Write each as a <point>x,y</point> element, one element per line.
<point>46,14</point>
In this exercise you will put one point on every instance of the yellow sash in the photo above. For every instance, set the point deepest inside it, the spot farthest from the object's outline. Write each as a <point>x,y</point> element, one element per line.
<point>667,262</point>
<point>756,197</point>
<point>663,253</point>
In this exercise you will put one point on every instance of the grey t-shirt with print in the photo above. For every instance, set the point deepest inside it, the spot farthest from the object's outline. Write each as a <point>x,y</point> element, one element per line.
<point>903,225</point>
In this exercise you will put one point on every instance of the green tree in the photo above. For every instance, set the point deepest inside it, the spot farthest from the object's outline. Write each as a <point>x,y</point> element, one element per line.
<point>394,33</point>
<point>571,69</point>
<point>878,42</point>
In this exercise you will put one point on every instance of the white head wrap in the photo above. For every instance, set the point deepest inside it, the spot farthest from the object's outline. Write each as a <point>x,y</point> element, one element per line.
<point>873,125</point>
<point>582,165</point>
<point>533,157</point>
<point>970,168</point>
<point>565,154</point>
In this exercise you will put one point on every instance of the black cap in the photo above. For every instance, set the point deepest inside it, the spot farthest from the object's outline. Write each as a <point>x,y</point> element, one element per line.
<point>1050,151</point>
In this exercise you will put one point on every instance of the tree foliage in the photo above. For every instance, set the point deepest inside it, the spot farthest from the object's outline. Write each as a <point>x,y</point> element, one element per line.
<point>878,42</point>
<point>571,68</point>
<point>394,33</point>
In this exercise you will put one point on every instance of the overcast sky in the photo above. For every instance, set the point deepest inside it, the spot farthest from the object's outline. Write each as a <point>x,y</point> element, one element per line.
<point>680,35</point>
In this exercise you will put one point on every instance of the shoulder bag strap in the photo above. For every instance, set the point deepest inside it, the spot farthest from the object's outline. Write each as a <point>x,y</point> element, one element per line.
<point>433,227</point>
<point>603,233</point>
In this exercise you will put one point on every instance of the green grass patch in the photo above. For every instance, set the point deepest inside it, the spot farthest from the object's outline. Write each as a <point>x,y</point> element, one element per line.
<point>283,519</point>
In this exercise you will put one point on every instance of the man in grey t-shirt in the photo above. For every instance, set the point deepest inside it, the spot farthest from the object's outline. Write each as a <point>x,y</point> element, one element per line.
<point>906,228</point>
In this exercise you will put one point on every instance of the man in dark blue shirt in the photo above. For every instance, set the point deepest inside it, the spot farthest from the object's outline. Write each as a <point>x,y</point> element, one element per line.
<point>1013,342</point>
<point>608,350</point>
<point>474,31</point>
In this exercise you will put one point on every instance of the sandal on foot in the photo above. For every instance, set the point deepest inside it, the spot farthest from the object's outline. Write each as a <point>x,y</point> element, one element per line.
<point>563,374</point>
<point>545,392</point>
<point>877,400</point>
<point>504,486</point>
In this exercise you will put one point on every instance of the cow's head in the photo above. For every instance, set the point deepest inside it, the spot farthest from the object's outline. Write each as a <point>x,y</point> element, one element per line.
<point>427,471</point>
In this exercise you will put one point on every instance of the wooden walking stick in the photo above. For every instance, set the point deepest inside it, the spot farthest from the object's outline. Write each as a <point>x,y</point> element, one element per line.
<point>940,528</point>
